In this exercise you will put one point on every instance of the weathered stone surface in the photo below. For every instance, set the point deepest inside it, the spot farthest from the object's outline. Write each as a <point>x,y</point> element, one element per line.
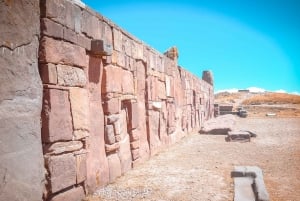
<point>112,147</point>
<point>109,134</point>
<point>60,52</point>
<point>220,125</point>
<point>56,116</point>
<point>125,154</point>
<point>74,194</point>
<point>63,12</point>
<point>243,189</point>
<point>240,136</point>
<point>117,39</point>
<point>117,80</point>
<point>63,171</point>
<point>70,76</point>
<point>79,108</point>
<point>48,73</point>
<point>62,147</point>
<point>135,154</point>
<point>20,102</point>
<point>69,35</point>
<point>132,114</point>
<point>80,168</point>
<point>52,29</point>
<point>114,167</point>
<point>97,164</point>
<point>135,144</point>
<point>90,25</point>
<point>112,106</point>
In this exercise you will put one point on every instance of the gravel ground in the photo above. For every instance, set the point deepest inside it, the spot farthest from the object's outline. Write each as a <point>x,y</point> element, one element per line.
<point>199,166</point>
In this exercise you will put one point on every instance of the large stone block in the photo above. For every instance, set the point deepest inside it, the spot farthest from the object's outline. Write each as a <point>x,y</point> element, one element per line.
<point>90,25</point>
<point>62,147</point>
<point>52,29</point>
<point>62,169</point>
<point>81,170</point>
<point>112,106</point>
<point>117,39</point>
<point>125,154</point>
<point>132,114</point>
<point>74,194</point>
<point>109,134</point>
<point>114,167</point>
<point>21,156</point>
<point>153,131</point>
<point>71,76</point>
<point>63,12</point>
<point>60,52</point>
<point>80,108</point>
<point>56,116</point>
<point>48,73</point>
<point>117,80</point>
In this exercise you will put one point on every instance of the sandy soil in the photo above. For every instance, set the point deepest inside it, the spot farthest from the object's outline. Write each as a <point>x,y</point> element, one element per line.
<point>199,166</point>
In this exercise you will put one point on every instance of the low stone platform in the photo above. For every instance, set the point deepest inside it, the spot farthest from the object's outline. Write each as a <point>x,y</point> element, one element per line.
<point>247,179</point>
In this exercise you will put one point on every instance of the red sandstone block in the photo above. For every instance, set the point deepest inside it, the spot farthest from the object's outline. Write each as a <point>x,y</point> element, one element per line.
<point>125,155</point>
<point>112,77</point>
<point>62,171</point>
<point>117,36</point>
<point>112,106</point>
<point>80,108</point>
<point>48,73</point>
<point>127,82</point>
<point>55,51</point>
<point>161,89</point>
<point>70,35</point>
<point>81,170</point>
<point>84,42</point>
<point>73,194</point>
<point>56,116</point>
<point>91,26</point>
<point>114,167</point>
<point>50,28</point>
<point>109,136</point>
<point>121,59</point>
<point>126,43</point>
<point>108,35</point>
<point>132,114</point>
<point>63,12</point>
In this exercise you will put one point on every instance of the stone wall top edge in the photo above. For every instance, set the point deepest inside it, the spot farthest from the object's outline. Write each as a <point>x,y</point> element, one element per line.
<point>115,26</point>
<point>132,37</point>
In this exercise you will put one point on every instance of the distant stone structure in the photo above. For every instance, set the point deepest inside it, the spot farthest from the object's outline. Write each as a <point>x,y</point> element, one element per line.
<point>82,101</point>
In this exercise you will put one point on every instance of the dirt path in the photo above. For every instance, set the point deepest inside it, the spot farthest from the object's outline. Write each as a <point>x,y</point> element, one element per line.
<point>198,167</point>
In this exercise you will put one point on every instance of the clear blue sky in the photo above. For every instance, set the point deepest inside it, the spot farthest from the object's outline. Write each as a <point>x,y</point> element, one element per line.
<point>246,43</point>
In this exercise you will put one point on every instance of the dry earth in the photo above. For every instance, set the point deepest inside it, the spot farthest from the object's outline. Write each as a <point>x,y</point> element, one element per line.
<point>199,166</point>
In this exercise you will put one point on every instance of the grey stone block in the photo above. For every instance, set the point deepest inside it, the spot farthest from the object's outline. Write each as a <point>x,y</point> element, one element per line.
<point>243,189</point>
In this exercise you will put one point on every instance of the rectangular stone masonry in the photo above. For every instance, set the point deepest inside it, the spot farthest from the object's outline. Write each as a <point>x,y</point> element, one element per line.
<point>71,76</point>
<point>56,116</point>
<point>80,109</point>
<point>60,52</point>
<point>80,167</point>
<point>73,194</point>
<point>48,73</point>
<point>114,167</point>
<point>62,170</point>
<point>52,29</point>
<point>101,48</point>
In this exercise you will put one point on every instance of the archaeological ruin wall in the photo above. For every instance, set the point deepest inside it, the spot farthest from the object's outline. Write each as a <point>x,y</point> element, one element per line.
<point>109,101</point>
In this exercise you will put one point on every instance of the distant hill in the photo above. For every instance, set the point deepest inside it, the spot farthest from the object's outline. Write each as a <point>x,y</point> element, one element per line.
<point>272,98</point>
<point>260,104</point>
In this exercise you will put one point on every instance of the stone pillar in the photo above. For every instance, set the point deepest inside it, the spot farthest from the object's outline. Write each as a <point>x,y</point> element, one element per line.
<point>21,157</point>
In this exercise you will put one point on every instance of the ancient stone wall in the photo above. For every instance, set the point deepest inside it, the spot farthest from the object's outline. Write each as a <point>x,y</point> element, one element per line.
<point>21,156</point>
<point>109,101</point>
